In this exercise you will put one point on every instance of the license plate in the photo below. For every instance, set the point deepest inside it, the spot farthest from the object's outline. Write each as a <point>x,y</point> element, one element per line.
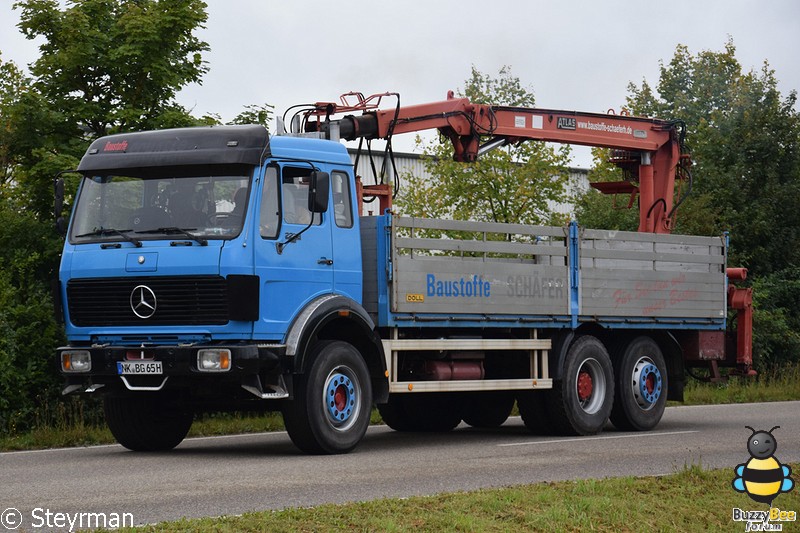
<point>130,367</point>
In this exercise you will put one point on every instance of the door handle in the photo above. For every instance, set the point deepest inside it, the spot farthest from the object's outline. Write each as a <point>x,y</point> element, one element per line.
<point>324,261</point>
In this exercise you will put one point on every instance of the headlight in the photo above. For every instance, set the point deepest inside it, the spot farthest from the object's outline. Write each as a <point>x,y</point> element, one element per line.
<point>213,360</point>
<point>76,361</point>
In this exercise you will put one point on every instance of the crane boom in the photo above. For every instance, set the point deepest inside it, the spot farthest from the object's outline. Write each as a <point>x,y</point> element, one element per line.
<point>650,150</point>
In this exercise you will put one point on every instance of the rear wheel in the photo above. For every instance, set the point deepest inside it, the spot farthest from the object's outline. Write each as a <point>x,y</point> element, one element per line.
<point>433,412</point>
<point>488,409</point>
<point>332,401</point>
<point>394,413</point>
<point>580,403</point>
<point>533,411</point>
<point>641,386</point>
<point>145,422</point>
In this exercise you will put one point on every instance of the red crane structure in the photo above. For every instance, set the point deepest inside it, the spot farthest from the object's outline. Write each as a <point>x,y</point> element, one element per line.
<point>651,153</point>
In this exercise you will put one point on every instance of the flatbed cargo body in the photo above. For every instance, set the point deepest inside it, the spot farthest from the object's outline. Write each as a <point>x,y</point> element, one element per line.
<point>506,275</point>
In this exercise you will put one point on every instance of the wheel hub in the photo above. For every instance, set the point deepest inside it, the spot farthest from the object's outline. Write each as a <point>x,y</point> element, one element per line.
<point>340,398</point>
<point>647,383</point>
<point>590,383</point>
<point>585,386</point>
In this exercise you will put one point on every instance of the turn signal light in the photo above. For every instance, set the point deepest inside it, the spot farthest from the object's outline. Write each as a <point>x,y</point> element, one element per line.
<point>214,360</point>
<point>76,361</point>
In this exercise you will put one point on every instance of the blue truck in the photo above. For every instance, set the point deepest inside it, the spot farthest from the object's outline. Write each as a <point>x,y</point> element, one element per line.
<point>225,269</point>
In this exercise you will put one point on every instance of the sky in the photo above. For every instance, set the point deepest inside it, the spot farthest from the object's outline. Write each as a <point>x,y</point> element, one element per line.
<point>572,54</point>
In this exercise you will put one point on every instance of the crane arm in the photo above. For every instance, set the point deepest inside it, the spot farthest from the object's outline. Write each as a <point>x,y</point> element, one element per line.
<point>649,149</point>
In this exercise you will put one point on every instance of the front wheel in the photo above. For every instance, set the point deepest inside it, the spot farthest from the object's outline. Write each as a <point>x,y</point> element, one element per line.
<point>580,403</point>
<point>332,401</point>
<point>145,422</point>
<point>641,392</point>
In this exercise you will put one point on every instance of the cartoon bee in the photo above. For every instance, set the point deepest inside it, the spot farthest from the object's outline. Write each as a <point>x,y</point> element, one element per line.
<point>763,477</point>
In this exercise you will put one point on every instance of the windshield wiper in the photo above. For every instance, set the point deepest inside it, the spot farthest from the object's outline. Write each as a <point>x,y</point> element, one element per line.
<point>182,231</point>
<point>113,231</point>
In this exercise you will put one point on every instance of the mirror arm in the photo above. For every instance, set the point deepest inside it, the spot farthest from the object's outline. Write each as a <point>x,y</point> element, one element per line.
<point>291,237</point>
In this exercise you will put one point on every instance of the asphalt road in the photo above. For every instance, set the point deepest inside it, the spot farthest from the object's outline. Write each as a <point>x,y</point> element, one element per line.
<point>232,475</point>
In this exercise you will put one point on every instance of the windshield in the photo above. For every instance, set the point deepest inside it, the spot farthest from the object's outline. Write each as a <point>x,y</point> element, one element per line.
<point>116,208</point>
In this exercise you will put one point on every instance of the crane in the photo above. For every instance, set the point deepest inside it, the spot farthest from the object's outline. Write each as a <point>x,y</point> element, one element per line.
<point>650,151</point>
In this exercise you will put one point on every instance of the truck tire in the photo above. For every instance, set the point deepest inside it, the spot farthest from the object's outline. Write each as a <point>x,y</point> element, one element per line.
<point>488,409</point>
<point>533,411</point>
<point>332,401</point>
<point>144,422</point>
<point>394,413</point>
<point>426,412</point>
<point>435,411</point>
<point>580,403</point>
<point>641,386</point>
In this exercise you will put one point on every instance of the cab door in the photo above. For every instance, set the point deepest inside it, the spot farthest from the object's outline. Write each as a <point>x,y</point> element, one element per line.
<point>347,277</point>
<point>293,270</point>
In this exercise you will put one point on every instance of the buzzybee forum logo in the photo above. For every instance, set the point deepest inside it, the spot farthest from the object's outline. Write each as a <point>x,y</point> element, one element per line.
<point>763,478</point>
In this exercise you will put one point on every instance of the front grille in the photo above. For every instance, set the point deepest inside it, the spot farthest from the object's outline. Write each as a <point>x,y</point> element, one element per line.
<point>180,300</point>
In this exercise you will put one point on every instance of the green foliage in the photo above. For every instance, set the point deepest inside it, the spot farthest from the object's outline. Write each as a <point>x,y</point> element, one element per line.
<point>776,325</point>
<point>596,210</point>
<point>776,383</point>
<point>511,184</point>
<point>115,65</point>
<point>28,329</point>
<point>12,83</point>
<point>105,66</point>
<point>254,114</point>
<point>745,141</point>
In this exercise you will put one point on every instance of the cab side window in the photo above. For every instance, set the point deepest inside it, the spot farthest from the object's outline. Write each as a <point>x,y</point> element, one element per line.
<point>342,208</point>
<point>270,216</point>
<point>294,192</point>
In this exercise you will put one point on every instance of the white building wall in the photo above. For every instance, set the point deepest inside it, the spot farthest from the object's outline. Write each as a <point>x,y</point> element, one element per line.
<point>412,163</point>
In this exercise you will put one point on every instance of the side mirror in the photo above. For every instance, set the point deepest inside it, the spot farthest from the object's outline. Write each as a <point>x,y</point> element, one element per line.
<point>319,192</point>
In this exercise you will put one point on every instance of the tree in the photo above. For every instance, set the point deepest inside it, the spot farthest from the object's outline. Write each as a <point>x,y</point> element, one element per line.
<point>106,66</point>
<point>29,332</point>
<point>12,83</point>
<point>512,184</point>
<point>596,210</point>
<point>112,65</point>
<point>745,141</point>
<point>254,114</point>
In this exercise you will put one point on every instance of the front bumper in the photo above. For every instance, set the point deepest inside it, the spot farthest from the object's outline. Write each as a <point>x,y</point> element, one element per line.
<point>255,368</point>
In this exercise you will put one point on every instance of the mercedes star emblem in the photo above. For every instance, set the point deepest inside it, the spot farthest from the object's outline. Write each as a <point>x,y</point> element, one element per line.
<point>143,301</point>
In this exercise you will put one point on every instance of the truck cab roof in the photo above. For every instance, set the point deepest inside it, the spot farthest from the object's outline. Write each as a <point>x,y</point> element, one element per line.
<point>225,147</point>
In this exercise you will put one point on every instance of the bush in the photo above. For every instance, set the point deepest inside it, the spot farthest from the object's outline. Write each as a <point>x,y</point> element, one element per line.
<point>29,332</point>
<point>776,324</point>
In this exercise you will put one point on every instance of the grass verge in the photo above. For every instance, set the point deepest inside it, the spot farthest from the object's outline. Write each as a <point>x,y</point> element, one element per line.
<point>692,499</point>
<point>771,386</point>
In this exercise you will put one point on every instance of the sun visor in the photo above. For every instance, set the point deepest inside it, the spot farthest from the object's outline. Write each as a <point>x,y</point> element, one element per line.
<point>215,146</point>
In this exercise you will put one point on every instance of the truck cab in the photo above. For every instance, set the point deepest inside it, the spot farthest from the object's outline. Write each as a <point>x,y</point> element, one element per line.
<point>198,267</point>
